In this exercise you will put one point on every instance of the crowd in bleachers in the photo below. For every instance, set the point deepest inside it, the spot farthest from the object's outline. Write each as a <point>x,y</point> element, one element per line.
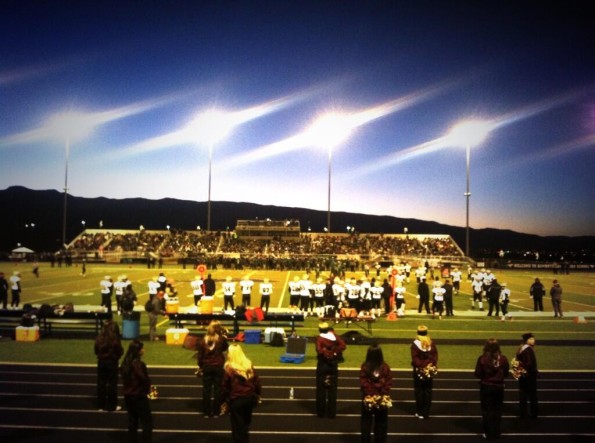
<point>308,251</point>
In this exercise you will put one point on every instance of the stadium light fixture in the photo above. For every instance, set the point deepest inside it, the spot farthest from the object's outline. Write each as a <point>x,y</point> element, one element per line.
<point>328,132</point>
<point>212,126</point>
<point>74,126</point>
<point>468,134</point>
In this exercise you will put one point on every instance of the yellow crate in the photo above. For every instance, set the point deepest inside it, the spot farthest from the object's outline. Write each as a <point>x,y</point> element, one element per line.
<point>27,333</point>
<point>175,336</point>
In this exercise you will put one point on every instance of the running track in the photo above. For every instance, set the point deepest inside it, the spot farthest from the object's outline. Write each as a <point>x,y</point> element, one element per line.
<point>41,403</point>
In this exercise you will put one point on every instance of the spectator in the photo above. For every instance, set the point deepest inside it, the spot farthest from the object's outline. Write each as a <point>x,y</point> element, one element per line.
<point>424,359</point>
<point>108,350</point>
<point>491,369</point>
<point>375,382</point>
<point>329,351</point>
<point>528,406</point>
<point>211,358</point>
<point>137,386</point>
<point>241,390</point>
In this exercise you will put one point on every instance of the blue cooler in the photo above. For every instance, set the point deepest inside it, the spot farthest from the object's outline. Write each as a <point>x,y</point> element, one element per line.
<point>252,337</point>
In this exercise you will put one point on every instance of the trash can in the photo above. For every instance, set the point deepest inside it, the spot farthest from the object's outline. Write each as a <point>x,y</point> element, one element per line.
<point>131,325</point>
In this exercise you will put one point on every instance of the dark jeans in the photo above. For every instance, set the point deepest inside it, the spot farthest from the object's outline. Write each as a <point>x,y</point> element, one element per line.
<point>423,395</point>
<point>139,411</point>
<point>528,397</point>
<point>240,414</point>
<point>107,384</point>
<point>538,304</point>
<point>327,375</point>
<point>376,419</point>
<point>492,398</point>
<point>211,390</point>
<point>228,300</point>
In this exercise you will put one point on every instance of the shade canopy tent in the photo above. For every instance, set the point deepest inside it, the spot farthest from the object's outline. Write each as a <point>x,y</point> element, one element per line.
<point>21,253</point>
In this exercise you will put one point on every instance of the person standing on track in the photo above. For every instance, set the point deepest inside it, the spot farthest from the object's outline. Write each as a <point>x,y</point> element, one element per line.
<point>137,386</point>
<point>241,390</point>
<point>424,359</point>
<point>491,368</point>
<point>375,382</point>
<point>528,407</point>
<point>329,350</point>
<point>211,358</point>
<point>108,349</point>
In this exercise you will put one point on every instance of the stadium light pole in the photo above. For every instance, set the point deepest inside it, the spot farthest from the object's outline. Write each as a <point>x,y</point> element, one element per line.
<point>329,131</point>
<point>213,126</point>
<point>469,134</point>
<point>74,126</point>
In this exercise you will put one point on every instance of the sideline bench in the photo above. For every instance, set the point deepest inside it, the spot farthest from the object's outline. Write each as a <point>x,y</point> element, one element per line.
<point>10,319</point>
<point>181,320</point>
<point>68,321</point>
<point>357,321</point>
<point>74,321</point>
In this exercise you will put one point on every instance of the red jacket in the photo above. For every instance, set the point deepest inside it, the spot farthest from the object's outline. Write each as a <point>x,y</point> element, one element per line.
<point>420,359</point>
<point>489,373</point>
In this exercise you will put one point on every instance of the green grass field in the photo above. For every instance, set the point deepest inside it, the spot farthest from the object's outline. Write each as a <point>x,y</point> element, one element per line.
<point>62,285</point>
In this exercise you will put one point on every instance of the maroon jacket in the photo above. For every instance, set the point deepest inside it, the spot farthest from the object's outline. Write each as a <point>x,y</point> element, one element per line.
<point>235,386</point>
<point>139,382</point>
<point>212,357</point>
<point>376,384</point>
<point>489,373</point>
<point>420,359</point>
<point>329,350</point>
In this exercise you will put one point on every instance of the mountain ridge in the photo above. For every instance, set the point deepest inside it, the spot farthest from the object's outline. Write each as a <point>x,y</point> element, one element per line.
<point>37,221</point>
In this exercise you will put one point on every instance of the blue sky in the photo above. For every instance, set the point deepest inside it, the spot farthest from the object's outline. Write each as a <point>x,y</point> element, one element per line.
<point>136,75</point>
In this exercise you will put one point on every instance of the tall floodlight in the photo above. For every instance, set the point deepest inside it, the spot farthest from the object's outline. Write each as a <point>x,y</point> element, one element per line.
<point>212,127</point>
<point>469,134</point>
<point>72,127</point>
<point>328,132</point>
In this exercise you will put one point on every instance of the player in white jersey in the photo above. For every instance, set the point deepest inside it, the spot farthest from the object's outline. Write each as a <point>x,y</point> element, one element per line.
<point>305,296</point>
<point>319,287</point>
<point>477,285</point>
<point>420,273</point>
<point>229,290</point>
<point>407,272</point>
<point>400,299</point>
<point>197,289</point>
<point>456,280</point>
<point>107,287</point>
<point>338,295</point>
<point>15,289</point>
<point>294,292</point>
<point>438,305</point>
<point>266,289</point>
<point>376,295</point>
<point>246,287</point>
<point>352,290</point>
<point>153,286</point>
<point>119,288</point>
<point>504,300</point>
